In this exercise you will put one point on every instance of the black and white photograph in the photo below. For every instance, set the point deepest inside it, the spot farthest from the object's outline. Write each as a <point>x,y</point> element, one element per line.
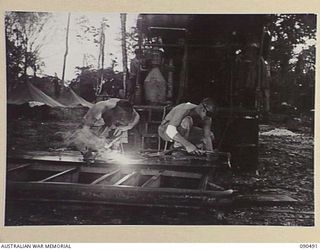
<point>159,119</point>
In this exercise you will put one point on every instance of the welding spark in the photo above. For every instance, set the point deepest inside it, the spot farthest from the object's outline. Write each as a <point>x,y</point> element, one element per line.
<point>121,158</point>
<point>115,156</point>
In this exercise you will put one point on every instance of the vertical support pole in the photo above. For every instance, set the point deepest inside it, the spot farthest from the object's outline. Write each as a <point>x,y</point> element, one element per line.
<point>170,81</point>
<point>183,74</point>
<point>260,61</point>
<point>139,26</point>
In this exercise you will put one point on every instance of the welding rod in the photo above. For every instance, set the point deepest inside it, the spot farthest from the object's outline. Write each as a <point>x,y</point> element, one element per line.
<point>112,142</point>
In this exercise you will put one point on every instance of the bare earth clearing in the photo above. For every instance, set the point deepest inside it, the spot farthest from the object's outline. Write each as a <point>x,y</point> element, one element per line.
<point>285,167</point>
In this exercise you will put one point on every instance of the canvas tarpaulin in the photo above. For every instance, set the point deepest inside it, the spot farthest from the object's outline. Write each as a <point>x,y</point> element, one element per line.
<point>70,99</point>
<point>29,93</point>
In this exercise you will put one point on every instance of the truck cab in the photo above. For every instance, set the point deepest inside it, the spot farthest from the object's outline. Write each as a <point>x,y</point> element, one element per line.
<point>224,57</point>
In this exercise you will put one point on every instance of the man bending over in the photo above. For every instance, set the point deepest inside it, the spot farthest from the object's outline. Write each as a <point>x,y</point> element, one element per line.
<point>189,125</point>
<point>105,126</point>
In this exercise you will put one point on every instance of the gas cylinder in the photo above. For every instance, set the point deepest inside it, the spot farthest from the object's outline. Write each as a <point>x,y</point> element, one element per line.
<point>155,87</point>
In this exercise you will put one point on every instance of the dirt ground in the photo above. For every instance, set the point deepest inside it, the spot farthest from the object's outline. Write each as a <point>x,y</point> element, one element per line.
<point>285,167</point>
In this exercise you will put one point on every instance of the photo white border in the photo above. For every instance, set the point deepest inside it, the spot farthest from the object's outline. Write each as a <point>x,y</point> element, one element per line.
<point>96,234</point>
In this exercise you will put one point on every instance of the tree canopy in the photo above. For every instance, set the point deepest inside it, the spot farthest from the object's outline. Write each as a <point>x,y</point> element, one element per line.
<point>23,39</point>
<point>292,58</point>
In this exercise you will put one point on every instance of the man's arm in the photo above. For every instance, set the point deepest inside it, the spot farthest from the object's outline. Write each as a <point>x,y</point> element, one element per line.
<point>173,133</point>
<point>208,134</point>
<point>136,118</point>
<point>134,122</point>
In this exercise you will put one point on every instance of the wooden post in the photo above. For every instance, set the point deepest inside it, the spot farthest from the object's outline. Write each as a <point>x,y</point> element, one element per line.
<point>183,74</point>
<point>67,48</point>
<point>139,25</point>
<point>259,63</point>
<point>138,97</point>
<point>170,81</point>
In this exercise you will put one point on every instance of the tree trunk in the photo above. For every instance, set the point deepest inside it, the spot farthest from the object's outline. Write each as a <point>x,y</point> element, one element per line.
<point>25,66</point>
<point>34,70</point>
<point>123,18</point>
<point>67,48</point>
<point>103,42</point>
<point>101,58</point>
<point>284,73</point>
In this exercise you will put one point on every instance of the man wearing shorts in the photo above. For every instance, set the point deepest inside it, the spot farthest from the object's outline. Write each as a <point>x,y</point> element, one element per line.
<point>189,125</point>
